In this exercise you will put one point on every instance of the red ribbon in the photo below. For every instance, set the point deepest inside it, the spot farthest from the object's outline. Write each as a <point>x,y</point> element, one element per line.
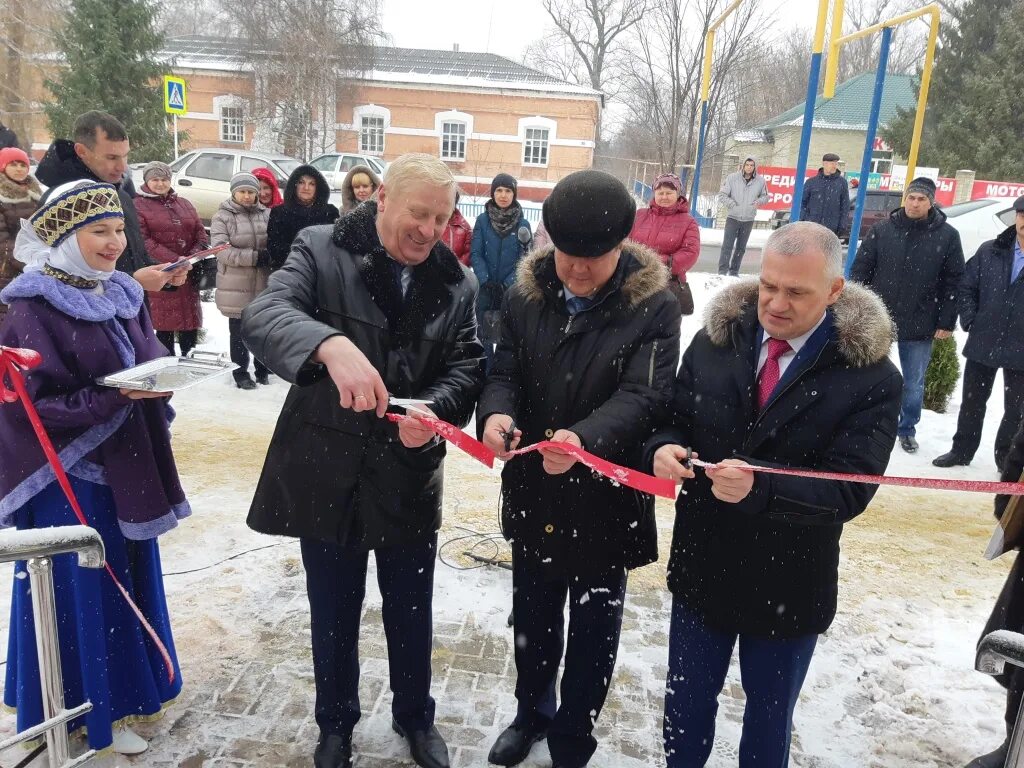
<point>14,362</point>
<point>657,486</point>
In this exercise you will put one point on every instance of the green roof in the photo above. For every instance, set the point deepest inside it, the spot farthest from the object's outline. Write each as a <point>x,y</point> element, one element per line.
<point>850,107</point>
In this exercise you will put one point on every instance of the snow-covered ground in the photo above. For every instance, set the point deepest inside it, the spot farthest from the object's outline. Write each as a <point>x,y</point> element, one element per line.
<point>892,684</point>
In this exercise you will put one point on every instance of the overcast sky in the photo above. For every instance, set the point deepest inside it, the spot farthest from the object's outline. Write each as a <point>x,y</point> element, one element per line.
<point>504,27</point>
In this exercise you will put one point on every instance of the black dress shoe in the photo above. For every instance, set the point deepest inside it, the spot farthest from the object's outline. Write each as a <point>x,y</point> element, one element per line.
<point>951,459</point>
<point>262,378</point>
<point>909,444</point>
<point>994,759</point>
<point>514,744</point>
<point>333,751</point>
<point>245,383</point>
<point>426,746</point>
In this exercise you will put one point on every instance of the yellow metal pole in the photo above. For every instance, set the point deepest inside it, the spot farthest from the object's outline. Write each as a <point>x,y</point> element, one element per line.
<point>893,22</point>
<point>819,29</point>
<point>832,66</point>
<point>705,81</point>
<point>922,98</point>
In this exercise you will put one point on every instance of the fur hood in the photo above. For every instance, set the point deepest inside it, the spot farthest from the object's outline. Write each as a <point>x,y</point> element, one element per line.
<point>649,276</point>
<point>348,197</point>
<point>865,332</point>
<point>16,193</point>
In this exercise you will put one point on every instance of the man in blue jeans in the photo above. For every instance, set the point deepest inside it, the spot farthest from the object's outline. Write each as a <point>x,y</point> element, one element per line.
<point>790,370</point>
<point>914,261</point>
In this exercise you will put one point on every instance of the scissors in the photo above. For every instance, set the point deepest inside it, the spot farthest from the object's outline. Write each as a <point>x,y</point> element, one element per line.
<point>688,461</point>
<point>410,404</point>
<point>508,435</point>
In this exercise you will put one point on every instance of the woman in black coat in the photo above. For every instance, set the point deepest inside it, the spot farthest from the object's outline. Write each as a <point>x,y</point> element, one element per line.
<point>587,354</point>
<point>305,205</point>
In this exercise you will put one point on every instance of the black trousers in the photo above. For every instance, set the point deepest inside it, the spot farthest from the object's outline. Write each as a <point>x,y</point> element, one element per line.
<point>240,353</point>
<point>737,232</point>
<point>978,382</point>
<point>336,585</point>
<point>186,339</point>
<point>595,621</point>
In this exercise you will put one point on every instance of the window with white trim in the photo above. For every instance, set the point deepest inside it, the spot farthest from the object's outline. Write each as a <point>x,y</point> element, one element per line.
<point>232,125</point>
<point>453,141</point>
<point>881,161</point>
<point>371,134</point>
<point>535,146</point>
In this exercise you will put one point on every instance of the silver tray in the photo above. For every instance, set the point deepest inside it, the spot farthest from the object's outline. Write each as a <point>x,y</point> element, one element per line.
<point>170,374</point>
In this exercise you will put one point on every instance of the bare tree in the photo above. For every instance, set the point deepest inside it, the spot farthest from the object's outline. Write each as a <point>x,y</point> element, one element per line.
<point>27,34</point>
<point>662,88</point>
<point>296,90</point>
<point>179,18</point>
<point>586,43</point>
<point>860,56</point>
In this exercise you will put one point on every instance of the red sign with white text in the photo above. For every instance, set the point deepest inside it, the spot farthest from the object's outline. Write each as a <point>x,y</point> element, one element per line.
<point>996,189</point>
<point>780,182</point>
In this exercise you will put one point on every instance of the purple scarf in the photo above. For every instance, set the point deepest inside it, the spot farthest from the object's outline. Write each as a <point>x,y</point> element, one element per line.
<point>100,435</point>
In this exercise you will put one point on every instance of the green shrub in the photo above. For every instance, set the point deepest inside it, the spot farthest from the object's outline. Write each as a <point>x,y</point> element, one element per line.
<point>942,375</point>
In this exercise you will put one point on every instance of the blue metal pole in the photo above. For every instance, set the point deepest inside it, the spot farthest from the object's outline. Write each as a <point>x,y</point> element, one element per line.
<point>869,147</point>
<point>805,135</point>
<point>695,189</point>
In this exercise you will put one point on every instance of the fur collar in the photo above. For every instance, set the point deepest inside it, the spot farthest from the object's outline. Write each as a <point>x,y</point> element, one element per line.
<point>864,331</point>
<point>16,193</point>
<point>121,297</point>
<point>429,292</point>
<point>640,283</point>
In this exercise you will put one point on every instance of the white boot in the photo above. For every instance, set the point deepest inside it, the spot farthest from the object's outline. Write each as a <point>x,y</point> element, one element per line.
<point>128,742</point>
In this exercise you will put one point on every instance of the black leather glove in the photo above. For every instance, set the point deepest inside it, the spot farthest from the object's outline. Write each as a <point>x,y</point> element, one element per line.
<point>262,258</point>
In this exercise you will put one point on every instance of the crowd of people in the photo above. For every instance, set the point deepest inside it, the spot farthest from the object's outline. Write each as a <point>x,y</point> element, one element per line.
<point>571,335</point>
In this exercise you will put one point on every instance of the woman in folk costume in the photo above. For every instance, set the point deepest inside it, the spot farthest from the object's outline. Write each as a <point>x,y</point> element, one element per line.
<point>88,320</point>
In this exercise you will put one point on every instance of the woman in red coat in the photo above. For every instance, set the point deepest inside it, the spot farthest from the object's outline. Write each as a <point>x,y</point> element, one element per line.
<point>667,227</point>
<point>172,229</point>
<point>458,235</point>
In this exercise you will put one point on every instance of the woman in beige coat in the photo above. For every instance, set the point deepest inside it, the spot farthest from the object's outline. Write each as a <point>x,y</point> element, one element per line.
<point>242,269</point>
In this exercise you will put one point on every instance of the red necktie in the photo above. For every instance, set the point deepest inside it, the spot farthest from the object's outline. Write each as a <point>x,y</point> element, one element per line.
<point>770,374</point>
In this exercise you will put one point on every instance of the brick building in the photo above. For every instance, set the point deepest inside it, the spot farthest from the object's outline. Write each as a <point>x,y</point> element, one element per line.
<point>480,112</point>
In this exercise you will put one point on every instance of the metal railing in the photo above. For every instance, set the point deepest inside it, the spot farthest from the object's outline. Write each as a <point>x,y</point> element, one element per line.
<point>38,546</point>
<point>995,651</point>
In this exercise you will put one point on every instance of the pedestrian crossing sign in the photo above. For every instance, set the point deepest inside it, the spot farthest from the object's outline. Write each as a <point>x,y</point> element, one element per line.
<point>174,95</point>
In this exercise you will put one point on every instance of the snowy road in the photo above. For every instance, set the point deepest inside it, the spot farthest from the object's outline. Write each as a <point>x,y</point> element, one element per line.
<point>891,686</point>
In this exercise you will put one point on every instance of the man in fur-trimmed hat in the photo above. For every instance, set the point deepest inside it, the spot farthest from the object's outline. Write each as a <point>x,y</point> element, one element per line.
<point>791,370</point>
<point>587,354</point>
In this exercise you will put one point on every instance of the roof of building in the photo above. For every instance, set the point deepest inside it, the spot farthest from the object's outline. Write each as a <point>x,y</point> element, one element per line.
<point>851,106</point>
<point>389,64</point>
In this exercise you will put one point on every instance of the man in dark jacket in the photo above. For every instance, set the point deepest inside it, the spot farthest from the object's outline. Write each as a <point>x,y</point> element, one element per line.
<point>789,372</point>
<point>8,138</point>
<point>368,309</point>
<point>826,197</point>
<point>99,152</point>
<point>914,261</point>
<point>991,304</point>
<point>588,351</point>
<point>1008,613</point>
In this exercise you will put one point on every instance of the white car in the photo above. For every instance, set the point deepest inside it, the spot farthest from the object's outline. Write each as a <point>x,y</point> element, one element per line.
<point>335,165</point>
<point>980,220</point>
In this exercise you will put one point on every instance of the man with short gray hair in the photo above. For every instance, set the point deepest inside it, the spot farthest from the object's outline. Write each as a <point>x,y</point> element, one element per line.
<point>790,370</point>
<point>370,308</point>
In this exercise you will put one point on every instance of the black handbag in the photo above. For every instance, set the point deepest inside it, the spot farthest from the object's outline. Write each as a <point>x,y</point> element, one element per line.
<point>681,290</point>
<point>204,275</point>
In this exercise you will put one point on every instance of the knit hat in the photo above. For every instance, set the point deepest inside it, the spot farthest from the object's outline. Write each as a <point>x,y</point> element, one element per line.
<point>669,180</point>
<point>244,181</point>
<point>830,157</point>
<point>922,186</point>
<point>158,169</point>
<point>12,155</point>
<point>505,180</point>
<point>588,213</point>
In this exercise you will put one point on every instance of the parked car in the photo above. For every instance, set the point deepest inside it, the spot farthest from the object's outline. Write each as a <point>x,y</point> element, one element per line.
<point>203,176</point>
<point>980,220</point>
<point>878,204</point>
<point>334,166</point>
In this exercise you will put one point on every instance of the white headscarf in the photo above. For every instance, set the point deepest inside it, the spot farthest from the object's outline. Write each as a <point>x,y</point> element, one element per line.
<point>67,257</point>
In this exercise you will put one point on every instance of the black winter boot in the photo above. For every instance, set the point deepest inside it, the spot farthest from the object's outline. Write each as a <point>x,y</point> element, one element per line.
<point>994,759</point>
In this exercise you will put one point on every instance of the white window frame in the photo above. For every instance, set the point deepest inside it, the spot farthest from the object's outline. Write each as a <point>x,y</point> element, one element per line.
<point>453,116</point>
<point>537,123</point>
<point>222,103</point>
<point>371,111</point>
<point>881,161</point>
